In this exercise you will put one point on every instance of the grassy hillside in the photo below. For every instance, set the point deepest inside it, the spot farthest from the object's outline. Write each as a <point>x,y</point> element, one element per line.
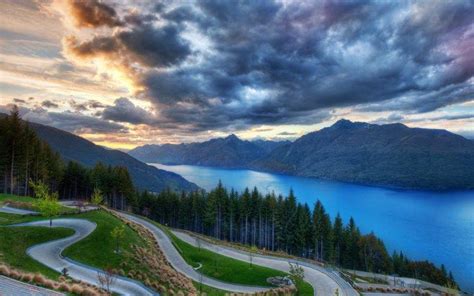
<point>98,250</point>
<point>16,240</point>
<point>100,241</point>
<point>227,269</point>
<point>224,268</point>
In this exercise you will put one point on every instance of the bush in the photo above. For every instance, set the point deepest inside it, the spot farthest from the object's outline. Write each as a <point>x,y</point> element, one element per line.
<point>77,289</point>
<point>39,279</point>
<point>27,277</point>
<point>90,292</point>
<point>64,287</point>
<point>15,274</point>
<point>4,270</point>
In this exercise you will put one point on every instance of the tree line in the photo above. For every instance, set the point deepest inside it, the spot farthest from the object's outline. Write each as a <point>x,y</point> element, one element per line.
<point>267,221</point>
<point>25,159</point>
<point>279,223</point>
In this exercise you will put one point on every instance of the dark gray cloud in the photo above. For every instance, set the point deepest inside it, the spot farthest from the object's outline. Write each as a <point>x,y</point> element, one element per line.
<point>69,121</point>
<point>144,44</point>
<point>93,13</point>
<point>78,123</point>
<point>19,101</point>
<point>287,134</point>
<point>154,47</point>
<point>226,65</point>
<point>95,104</point>
<point>124,110</point>
<point>78,107</point>
<point>452,117</point>
<point>396,117</point>
<point>49,104</point>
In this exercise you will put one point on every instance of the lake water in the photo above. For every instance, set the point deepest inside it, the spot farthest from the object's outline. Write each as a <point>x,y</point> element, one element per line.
<point>425,225</point>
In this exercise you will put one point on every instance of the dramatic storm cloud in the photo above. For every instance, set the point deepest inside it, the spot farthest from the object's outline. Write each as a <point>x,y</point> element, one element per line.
<point>215,64</point>
<point>189,67</point>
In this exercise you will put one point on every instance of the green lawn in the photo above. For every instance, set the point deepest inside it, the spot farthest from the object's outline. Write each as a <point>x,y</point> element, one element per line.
<point>210,291</point>
<point>304,288</point>
<point>16,240</point>
<point>224,268</point>
<point>228,269</point>
<point>5,198</point>
<point>6,219</point>
<point>98,248</point>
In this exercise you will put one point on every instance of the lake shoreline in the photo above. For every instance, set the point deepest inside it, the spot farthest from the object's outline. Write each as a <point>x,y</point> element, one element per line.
<point>374,185</point>
<point>425,225</point>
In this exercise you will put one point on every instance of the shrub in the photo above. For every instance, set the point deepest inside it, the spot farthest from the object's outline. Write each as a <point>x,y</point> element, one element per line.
<point>49,284</point>
<point>15,274</point>
<point>38,279</point>
<point>4,270</point>
<point>27,277</point>
<point>90,292</point>
<point>77,289</point>
<point>64,287</point>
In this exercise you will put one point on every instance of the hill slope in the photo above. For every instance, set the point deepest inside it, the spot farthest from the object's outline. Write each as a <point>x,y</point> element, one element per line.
<point>269,146</point>
<point>389,155</point>
<point>72,147</point>
<point>229,152</point>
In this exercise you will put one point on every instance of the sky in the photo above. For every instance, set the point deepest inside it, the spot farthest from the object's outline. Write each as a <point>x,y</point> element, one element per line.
<point>128,73</point>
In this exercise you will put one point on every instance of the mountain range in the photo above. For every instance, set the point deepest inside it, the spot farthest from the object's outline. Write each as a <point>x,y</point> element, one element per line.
<point>75,148</point>
<point>390,155</point>
<point>229,152</point>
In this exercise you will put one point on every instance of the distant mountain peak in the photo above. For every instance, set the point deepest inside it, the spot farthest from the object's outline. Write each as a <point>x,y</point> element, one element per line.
<point>347,124</point>
<point>342,121</point>
<point>232,137</point>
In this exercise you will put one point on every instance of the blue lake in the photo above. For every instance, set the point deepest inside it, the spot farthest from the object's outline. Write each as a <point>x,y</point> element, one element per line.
<point>425,225</point>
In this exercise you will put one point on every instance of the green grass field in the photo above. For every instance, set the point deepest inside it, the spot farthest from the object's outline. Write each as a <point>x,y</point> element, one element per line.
<point>231,270</point>
<point>5,198</point>
<point>228,269</point>
<point>16,240</point>
<point>98,250</point>
<point>224,268</point>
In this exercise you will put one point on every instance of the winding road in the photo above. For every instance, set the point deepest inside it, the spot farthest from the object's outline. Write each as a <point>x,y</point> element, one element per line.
<point>9,210</point>
<point>11,287</point>
<point>323,281</point>
<point>49,254</point>
<point>180,265</point>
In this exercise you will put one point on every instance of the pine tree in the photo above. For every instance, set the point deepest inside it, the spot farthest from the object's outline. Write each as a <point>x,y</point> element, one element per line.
<point>338,240</point>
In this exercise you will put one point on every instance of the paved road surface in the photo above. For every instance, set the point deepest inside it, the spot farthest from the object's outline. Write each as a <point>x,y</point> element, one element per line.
<point>180,265</point>
<point>324,282</point>
<point>402,281</point>
<point>49,254</point>
<point>11,287</point>
<point>10,210</point>
<point>384,294</point>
